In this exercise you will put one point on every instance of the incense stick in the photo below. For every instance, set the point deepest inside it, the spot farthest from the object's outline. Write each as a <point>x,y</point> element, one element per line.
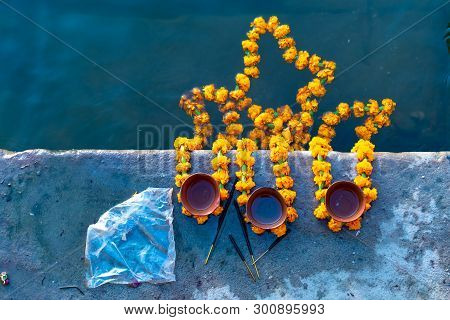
<point>277,241</point>
<point>239,252</point>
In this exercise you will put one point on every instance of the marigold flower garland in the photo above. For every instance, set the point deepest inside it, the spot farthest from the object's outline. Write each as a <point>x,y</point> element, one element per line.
<point>378,117</point>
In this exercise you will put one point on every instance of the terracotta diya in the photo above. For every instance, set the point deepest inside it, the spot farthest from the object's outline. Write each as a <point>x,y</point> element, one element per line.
<point>200,194</point>
<point>345,201</point>
<point>266,208</point>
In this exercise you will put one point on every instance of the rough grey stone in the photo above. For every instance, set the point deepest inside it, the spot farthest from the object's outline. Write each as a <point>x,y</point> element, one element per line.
<point>48,199</point>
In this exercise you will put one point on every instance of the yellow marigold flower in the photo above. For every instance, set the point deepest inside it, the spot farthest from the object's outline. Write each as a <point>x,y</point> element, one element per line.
<point>317,88</point>
<point>221,145</point>
<point>279,231</point>
<point>374,108</point>
<point>329,64</point>
<point>253,35</point>
<point>320,167</point>
<point>364,167</point>
<point>256,133</point>
<point>201,219</point>
<point>334,225</point>
<point>231,139</point>
<point>286,43</point>
<point>243,82</point>
<point>252,72</point>
<point>278,141</point>
<point>302,60</point>
<point>388,106</point>
<point>201,118</point>
<point>183,155</point>
<point>326,74</point>
<point>358,109</point>
<point>370,194</point>
<point>284,182</point>
<point>183,166</point>
<point>246,144</point>
<point>185,212</point>
<point>314,61</point>
<point>263,119</point>
<point>292,214</point>
<point>218,211</point>
<point>295,125</point>
<point>272,24</point>
<point>290,54</point>
<point>180,141</point>
<point>281,169</point>
<point>221,176</point>
<point>242,199</point>
<point>244,157</point>
<point>237,94</point>
<point>259,24</point>
<point>228,106</point>
<point>223,193</point>
<point>220,162</point>
<point>244,103</point>
<point>221,95</point>
<point>245,185</point>
<point>362,182</point>
<point>208,92</point>
<point>330,118</point>
<point>323,179</point>
<point>254,111</point>
<point>287,135</point>
<point>257,230</point>
<point>180,179</point>
<point>278,154</point>
<point>310,105</point>
<point>281,31</point>
<point>288,196</point>
<point>318,142</point>
<point>277,125</point>
<point>250,46</point>
<point>179,196</point>
<point>251,60</point>
<point>363,133</point>
<point>285,113</point>
<point>302,95</point>
<point>364,149</point>
<point>306,119</point>
<point>230,117</point>
<point>321,211</point>
<point>320,194</point>
<point>326,131</point>
<point>354,225</point>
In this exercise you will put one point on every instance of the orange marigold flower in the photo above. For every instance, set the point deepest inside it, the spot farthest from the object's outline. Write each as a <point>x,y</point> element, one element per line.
<point>314,61</point>
<point>243,82</point>
<point>223,194</point>
<point>246,144</point>
<point>363,133</point>
<point>358,109</point>
<point>344,110</point>
<point>317,88</point>
<point>254,111</point>
<point>288,196</point>
<point>179,196</point>
<point>208,92</point>
<point>284,182</point>
<point>201,118</point>
<point>370,194</point>
<point>290,54</point>
<point>319,146</point>
<point>279,231</point>
<point>320,194</point>
<point>281,31</point>
<point>250,46</point>
<point>218,211</point>
<point>244,103</point>
<point>321,212</point>
<point>281,169</point>
<point>370,126</point>
<point>302,95</point>
<point>234,129</point>
<point>285,113</point>
<point>382,120</point>
<point>388,106</point>
<point>230,117</point>
<point>252,72</point>
<point>319,167</point>
<point>221,145</point>
<point>292,214</point>
<point>310,105</point>
<point>364,149</point>
<point>221,176</point>
<point>220,162</point>
<point>263,119</point>
<point>330,118</point>
<point>326,131</point>
<point>201,219</point>
<point>323,179</point>
<point>302,60</point>
<point>253,35</point>
<point>286,43</point>
<point>306,119</point>
<point>221,95</point>
<point>257,230</point>
<point>354,225</point>
<point>272,24</point>
<point>326,74</point>
<point>362,182</point>
<point>185,212</point>
<point>329,64</point>
<point>237,94</point>
<point>374,108</point>
<point>251,60</point>
<point>334,225</point>
<point>364,167</point>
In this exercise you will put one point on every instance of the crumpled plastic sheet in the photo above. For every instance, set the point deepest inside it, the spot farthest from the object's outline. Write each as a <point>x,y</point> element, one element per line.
<point>133,242</point>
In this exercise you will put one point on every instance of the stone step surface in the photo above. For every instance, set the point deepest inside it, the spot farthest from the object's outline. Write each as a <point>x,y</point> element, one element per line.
<point>48,199</point>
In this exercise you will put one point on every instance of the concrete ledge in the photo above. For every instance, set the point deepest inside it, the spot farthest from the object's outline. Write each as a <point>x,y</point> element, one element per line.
<point>48,199</point>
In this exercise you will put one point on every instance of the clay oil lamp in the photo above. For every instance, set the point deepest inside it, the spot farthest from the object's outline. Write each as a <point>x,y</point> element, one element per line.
<point>266,208</point>
<point>345,201</point>
<point>200,194</point>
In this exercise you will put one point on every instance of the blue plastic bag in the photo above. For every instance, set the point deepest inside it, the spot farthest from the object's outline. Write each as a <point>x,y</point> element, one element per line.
<point>133,242</point>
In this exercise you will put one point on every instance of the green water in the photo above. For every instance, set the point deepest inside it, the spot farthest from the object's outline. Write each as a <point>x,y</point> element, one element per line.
<point>150,52</point>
